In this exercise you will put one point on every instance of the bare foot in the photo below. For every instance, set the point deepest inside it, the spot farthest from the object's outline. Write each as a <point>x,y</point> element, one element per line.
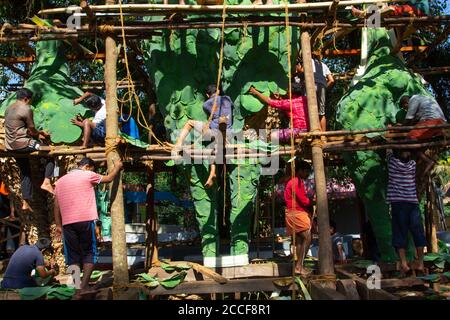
<point>26,206</point>
<point>210,182</point>
<point>405,271</point>
<point>47,186</point>
<point>181,2</point>
<point>269,2</point>
<point>258,2</point>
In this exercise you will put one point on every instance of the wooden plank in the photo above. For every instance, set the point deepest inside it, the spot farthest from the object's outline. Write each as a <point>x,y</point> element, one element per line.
<point>364,292</point>
<point>209,286</point>
<point>258,270</point>
<point>319,292</point>
<point>348,288</point>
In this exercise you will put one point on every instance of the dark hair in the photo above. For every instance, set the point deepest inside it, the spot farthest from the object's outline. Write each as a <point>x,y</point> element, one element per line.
<point>333,224</point>
<point>24,93</point>
<point>404,99</point>
<point>302,165</point>
<point>43,243</point>
<point>211,89</point>
<point>93,102</point>
<point>98,223</point>
<point>86,161</point>
<point>297,88</point>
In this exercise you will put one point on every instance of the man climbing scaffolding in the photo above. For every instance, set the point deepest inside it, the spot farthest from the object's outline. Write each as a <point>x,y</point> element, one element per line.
<point>423,111</point>
<point>298,207</point>
<point>96,128</point>
<point>299,112</point>
<point>220,113</point>
<point>21,137</point>
<point>323,79</point>
<point>402,196</point>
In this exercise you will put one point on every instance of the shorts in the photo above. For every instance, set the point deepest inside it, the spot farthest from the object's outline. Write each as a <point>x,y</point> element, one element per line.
<point>427,133</point>
<point>321,92</point>
<point>99,132</point>
<point>297,221</point>
<point>80,243</point>
<point>284,135</point>
<point>406,218</point>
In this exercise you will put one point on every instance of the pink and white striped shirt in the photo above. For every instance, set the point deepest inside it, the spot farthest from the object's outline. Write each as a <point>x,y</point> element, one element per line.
<point>76,196</point>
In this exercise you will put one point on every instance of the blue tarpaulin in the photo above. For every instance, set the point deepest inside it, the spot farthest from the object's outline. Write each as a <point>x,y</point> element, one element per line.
<point>141,197</point>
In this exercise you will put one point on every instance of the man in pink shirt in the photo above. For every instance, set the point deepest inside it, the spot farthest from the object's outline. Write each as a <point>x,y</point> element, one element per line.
<point>298,207</point>
<point>299,112</point>
<point>76,212</point>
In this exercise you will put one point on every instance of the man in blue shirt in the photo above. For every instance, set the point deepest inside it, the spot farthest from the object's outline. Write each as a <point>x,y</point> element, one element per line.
<point>22,262</point>
<point>221,113</point>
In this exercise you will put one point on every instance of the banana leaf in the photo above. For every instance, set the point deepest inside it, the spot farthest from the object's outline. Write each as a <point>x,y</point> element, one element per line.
<point>302,286</point>
<point>173,281</point>
<point>33,293</point>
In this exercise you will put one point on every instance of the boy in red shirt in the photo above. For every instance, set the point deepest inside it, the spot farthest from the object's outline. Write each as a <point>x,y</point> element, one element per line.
<point>299,112</point>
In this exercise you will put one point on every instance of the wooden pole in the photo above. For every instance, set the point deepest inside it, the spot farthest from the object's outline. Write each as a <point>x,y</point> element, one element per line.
<point>325,252</point>
<point>119,248</point>
<point>151,222</point>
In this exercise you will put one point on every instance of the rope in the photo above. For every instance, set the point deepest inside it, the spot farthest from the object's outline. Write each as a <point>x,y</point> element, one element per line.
<point>106,29</point>
<point>111,144</point>
<point>131,88</point>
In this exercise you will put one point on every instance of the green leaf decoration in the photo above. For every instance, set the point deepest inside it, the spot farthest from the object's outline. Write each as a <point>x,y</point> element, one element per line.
<point>431,256</point>
<point>61,292</point>
<point>373,102</point>
<point>33,293</point>
<point>53,93</point>
<point>173,281</point>
<point>134,142</point>
<point>168,268</point>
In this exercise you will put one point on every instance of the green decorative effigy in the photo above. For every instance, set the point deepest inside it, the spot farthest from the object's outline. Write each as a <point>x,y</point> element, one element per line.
<point>374,103</point>
<point>182,64</point>
<point>53,94</point>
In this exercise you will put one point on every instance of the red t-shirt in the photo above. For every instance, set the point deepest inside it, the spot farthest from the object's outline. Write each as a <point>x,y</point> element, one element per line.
<point>76,196</point>
<point>299,110</point>
<point>301,201</point>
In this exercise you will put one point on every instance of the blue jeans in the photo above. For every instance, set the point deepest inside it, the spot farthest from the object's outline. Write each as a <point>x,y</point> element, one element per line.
<point>406,217</point>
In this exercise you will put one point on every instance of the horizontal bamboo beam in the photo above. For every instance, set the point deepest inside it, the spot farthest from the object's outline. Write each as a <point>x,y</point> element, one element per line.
<point>126,8</point>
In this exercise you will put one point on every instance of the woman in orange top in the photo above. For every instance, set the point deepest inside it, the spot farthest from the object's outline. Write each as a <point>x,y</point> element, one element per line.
<point>298,206</point>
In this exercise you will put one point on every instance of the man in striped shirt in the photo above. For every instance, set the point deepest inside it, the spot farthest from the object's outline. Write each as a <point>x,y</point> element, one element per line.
<point>402,196</point>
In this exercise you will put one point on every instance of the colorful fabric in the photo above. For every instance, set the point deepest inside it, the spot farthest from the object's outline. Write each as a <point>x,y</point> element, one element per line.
<point>3,189</point>
<point>18,118</point>
<point>297,221</point>
<point>321,72</point>
<point>284,135</point>
<point>224,109</point>
<point>100,115</point>
<point>421,134</point>
<point>423,108</point>
<point>406,217</point>
<point>23,261</point>
<point>299,110</point>
<point>402,180</point>
<point>99,132</point>
<point>129,127</point>
<point>301,202</point>
<point>406,10</point>
<point>80,243</point>
<point>76,196</point>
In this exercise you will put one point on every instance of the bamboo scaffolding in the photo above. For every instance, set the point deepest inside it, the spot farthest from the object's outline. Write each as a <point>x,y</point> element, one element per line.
<point>164,9</point>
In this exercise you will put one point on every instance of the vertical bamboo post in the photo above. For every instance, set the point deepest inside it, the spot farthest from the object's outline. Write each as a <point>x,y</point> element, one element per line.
<point>119,248</point>
<point>151,221</point>
<point>325,251</point>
